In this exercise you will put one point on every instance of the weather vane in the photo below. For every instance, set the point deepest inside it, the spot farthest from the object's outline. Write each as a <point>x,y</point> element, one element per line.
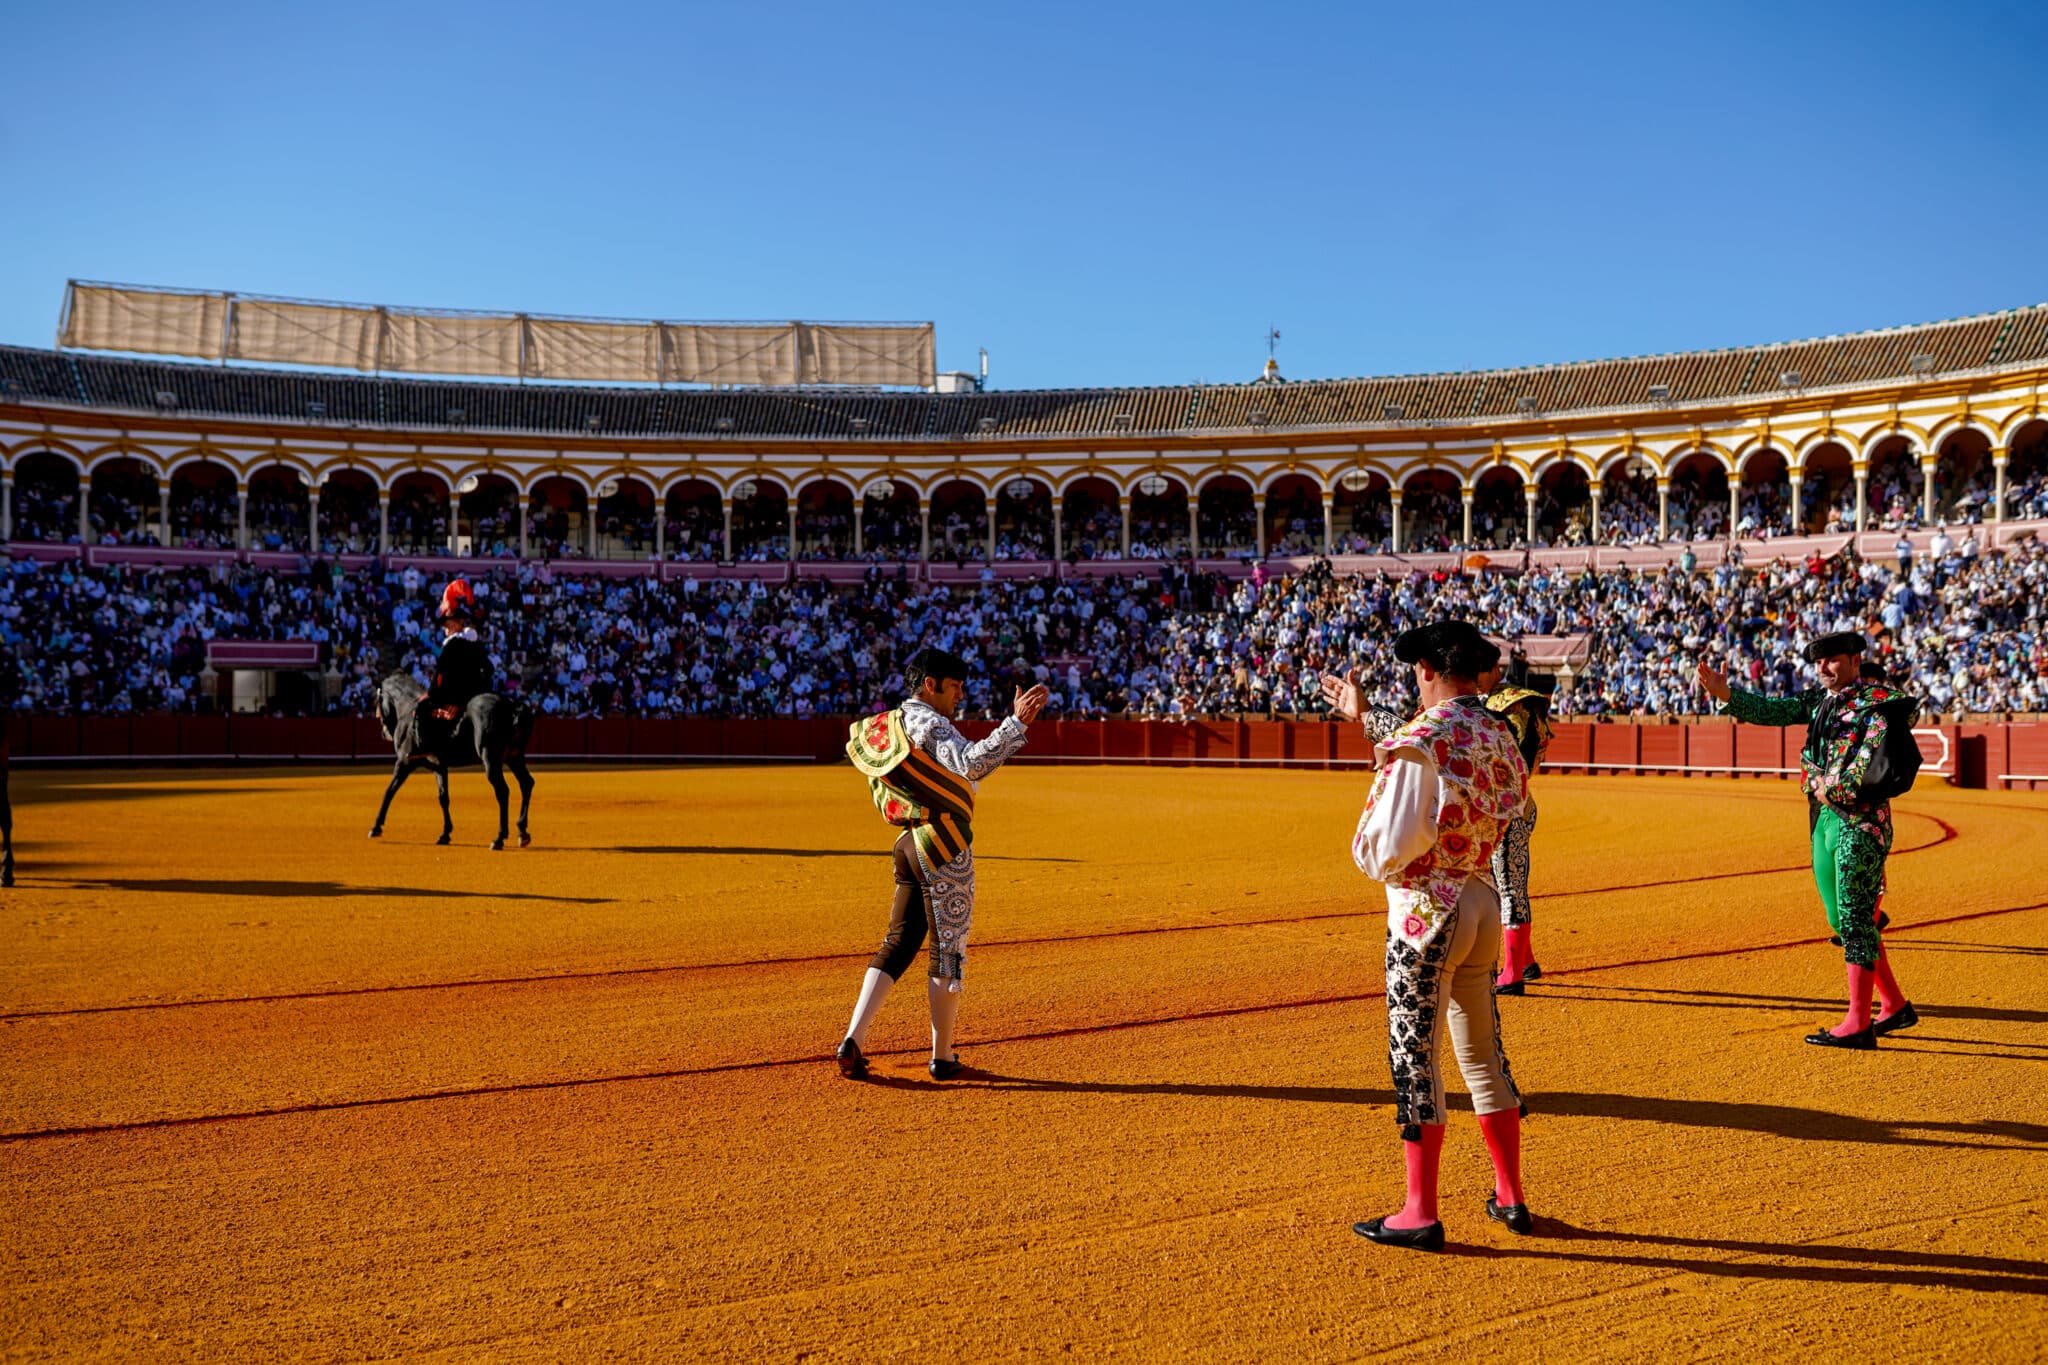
<point>1272,340</point>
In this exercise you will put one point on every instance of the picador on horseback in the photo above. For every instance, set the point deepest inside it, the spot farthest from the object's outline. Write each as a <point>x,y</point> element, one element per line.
<point>459,719</point>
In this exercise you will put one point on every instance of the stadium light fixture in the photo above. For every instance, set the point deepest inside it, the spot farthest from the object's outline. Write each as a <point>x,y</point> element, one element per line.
<point>1019,489</point>
<point>1258,417</point>
<point>1790,379</point>
<point>592,422</point>
<point>456,416</point>
<point>470,483</point>
<point>985,424</point>
<point>1525,404</point>
<point>608,489</point>
<point>1120,422</point>
<point>1660,393</point>
<point>1392,412</point>
<point>166,399</point>
<point>1356,480</point>
<point>858,424</point>
<point>1154,485</point>
<point>722,424</point>
<point>1920,363</point>
<point>881,490</point>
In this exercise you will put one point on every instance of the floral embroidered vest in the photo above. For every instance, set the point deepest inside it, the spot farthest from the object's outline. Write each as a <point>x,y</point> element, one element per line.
<point>1481,784</point>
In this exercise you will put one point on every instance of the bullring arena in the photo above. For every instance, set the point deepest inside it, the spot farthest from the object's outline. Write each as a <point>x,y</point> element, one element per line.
<point>277,1091</point>
<point>274,1088</point>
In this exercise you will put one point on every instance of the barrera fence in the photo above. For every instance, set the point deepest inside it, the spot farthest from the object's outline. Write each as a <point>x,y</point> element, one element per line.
<point>2011,755</point>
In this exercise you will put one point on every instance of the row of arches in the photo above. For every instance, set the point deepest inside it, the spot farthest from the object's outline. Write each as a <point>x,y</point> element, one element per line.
<point>1703,493</point>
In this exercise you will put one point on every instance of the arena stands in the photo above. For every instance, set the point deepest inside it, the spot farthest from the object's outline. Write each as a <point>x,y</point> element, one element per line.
<point>1962,626</point>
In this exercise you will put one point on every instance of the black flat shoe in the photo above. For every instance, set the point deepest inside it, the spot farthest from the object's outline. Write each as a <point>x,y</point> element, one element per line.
<point>1532,972</point>
<point>945,1068</point>
<point>1516,1216</point>
<point>1863,1040</point>
<point>1512,988</point>
<point>852,1064</point>
<point>1903,1017</point>
<point>1429,1237</point>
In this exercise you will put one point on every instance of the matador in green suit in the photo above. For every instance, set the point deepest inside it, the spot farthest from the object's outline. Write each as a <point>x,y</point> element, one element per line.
<point>1846,720</point>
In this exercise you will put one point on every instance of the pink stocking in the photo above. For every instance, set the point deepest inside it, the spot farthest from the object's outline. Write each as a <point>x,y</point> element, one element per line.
<point>1423,1157</point>
<point>1890,997</point>
<point>1515,954</point>
<point>1862,981</point>
<point>1503,1132</point>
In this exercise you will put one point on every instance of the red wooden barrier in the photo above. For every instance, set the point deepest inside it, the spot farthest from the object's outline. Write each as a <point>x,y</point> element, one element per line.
<point>105,737</point>
<point>1663,747</point>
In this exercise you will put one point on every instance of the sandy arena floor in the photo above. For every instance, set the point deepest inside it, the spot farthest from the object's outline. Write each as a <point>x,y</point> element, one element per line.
<point>275,1091</point>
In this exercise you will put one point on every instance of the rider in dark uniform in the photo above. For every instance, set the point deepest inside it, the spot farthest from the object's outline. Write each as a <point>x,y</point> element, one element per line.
<point>461,671</point>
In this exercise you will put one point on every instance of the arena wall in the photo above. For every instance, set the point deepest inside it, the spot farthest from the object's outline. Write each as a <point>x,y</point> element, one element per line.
<point>2011,755</point>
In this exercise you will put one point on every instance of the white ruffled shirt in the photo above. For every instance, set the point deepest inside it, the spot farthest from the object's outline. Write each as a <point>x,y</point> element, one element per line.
<point>1401,826</point>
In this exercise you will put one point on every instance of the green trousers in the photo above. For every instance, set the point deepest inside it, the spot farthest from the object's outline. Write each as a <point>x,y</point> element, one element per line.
<point>1848,869</point>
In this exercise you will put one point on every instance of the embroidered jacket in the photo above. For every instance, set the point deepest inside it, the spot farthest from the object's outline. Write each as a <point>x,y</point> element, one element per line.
<point>1844,733</point>
<point>1474,783</point>
<point>921,772</point>
<point>1528,715</point>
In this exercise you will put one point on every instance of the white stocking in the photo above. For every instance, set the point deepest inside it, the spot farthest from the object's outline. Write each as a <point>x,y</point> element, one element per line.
<point>874,989</point>
<point>945,997</point>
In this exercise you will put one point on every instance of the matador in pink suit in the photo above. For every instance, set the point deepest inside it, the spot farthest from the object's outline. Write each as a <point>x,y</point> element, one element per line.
<point>1449,782</point>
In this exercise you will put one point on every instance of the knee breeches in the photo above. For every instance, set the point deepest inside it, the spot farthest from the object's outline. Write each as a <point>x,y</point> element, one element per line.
<point>1448,981</point>
<point>1848,871</point>
<point>935,901</point>
<point>1511,868</point>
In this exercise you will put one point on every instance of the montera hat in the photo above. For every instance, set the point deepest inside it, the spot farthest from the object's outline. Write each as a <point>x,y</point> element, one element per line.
<point>1453,647</point>
<point>1841,642</point>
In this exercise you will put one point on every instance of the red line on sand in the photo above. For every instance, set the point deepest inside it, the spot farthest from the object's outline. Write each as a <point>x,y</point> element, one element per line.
<point>1948,833</point>
<point>1115,1026</point>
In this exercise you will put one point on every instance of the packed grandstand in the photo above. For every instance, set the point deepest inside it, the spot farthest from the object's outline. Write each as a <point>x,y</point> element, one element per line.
<point>1196,551</point>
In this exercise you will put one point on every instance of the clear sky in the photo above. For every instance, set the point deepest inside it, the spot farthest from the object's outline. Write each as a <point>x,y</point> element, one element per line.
<point>1098,193</point>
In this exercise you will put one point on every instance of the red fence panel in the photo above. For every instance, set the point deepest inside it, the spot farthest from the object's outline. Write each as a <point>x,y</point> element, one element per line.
<point>1213,739</point>
<point>651,737</point>
<point>1615,748</point>
<point>697,737</point>
<point>1266,739</point>
<point>1167,741</point>
<point>154,737</point>
<point>2026,758</point>
<point>52,737</point>
<point>104,737</point>
<point>1711,747</point>
<point>367,737</point>
<point>1073,739</point>
<point>1662,747</point>
<point>1757,748</point>
<point>609,736</point>
<point>1571,745</point>
<point>559,737</point>
<point>1125,739</point>
<point>203,736</point>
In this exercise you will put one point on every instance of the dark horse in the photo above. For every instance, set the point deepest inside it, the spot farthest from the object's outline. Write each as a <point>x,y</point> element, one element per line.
<point>492,729</point>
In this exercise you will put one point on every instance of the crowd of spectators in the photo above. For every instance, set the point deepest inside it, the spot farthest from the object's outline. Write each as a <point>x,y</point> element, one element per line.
<point>1964,628</point>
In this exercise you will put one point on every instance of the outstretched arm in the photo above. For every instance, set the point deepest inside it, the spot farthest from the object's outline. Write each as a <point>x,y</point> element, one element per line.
<point>933,733</point>
<point>1754,709</point>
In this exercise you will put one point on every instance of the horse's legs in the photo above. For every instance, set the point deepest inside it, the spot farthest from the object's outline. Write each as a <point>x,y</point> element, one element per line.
<point>517,762</point>
<point>399,772</point>
<point>494,769</point>
<point>447,824</point>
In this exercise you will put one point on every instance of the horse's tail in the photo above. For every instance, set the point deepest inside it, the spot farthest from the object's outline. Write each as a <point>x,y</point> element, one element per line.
<point>397,695</point>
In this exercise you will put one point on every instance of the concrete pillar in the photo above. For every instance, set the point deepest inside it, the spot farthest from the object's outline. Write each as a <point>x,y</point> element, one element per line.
<point>1400,531</point>
<point>660,532</point>
<point>1259,523</point>
<point>384,522</point>
<point>725,506</point>
<point>1595,491</point>
<point>1123,507</point>
<point>1927,466</point>
<point>1330,522</point>
<point>1468,495</point>
<point>1663,509</point>
<point>990,504</point>
<point>924,530</point>
<point>1798,520</point>
<point>590,514</point>
<point>163,513</point>
<point>1529,503</point>
<point>452,509</point>
<point>525,509</point>
<point>1734,506</point>
<point>1058,544</point>
<point>1194,525</point>
<point>7,506</point>
<point>1998,459</point>
<point>792,528</point>
<point>313,521</point>
<point>1862,498</point>
<point>859,536</point>
<point>241,516</point>
<point>85,510</point>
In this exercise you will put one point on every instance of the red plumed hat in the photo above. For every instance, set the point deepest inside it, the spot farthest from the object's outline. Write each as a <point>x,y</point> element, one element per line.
<point>456,599</point>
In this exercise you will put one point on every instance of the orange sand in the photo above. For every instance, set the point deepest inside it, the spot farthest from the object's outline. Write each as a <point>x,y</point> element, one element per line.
<point>273,1090</point>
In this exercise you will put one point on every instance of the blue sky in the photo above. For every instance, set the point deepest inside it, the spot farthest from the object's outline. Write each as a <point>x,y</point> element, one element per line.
<point>1099,194</point>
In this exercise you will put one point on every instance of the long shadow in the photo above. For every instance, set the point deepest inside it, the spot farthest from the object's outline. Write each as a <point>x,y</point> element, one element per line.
<point>1850,1265</point>
<point>1778,1120</point>
<point>2007,949</point>
<point>1988,1014</point>
<point>1948,833</point>
<point>192,886</point>
<point>72,791</point>
<point>876,853</point>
